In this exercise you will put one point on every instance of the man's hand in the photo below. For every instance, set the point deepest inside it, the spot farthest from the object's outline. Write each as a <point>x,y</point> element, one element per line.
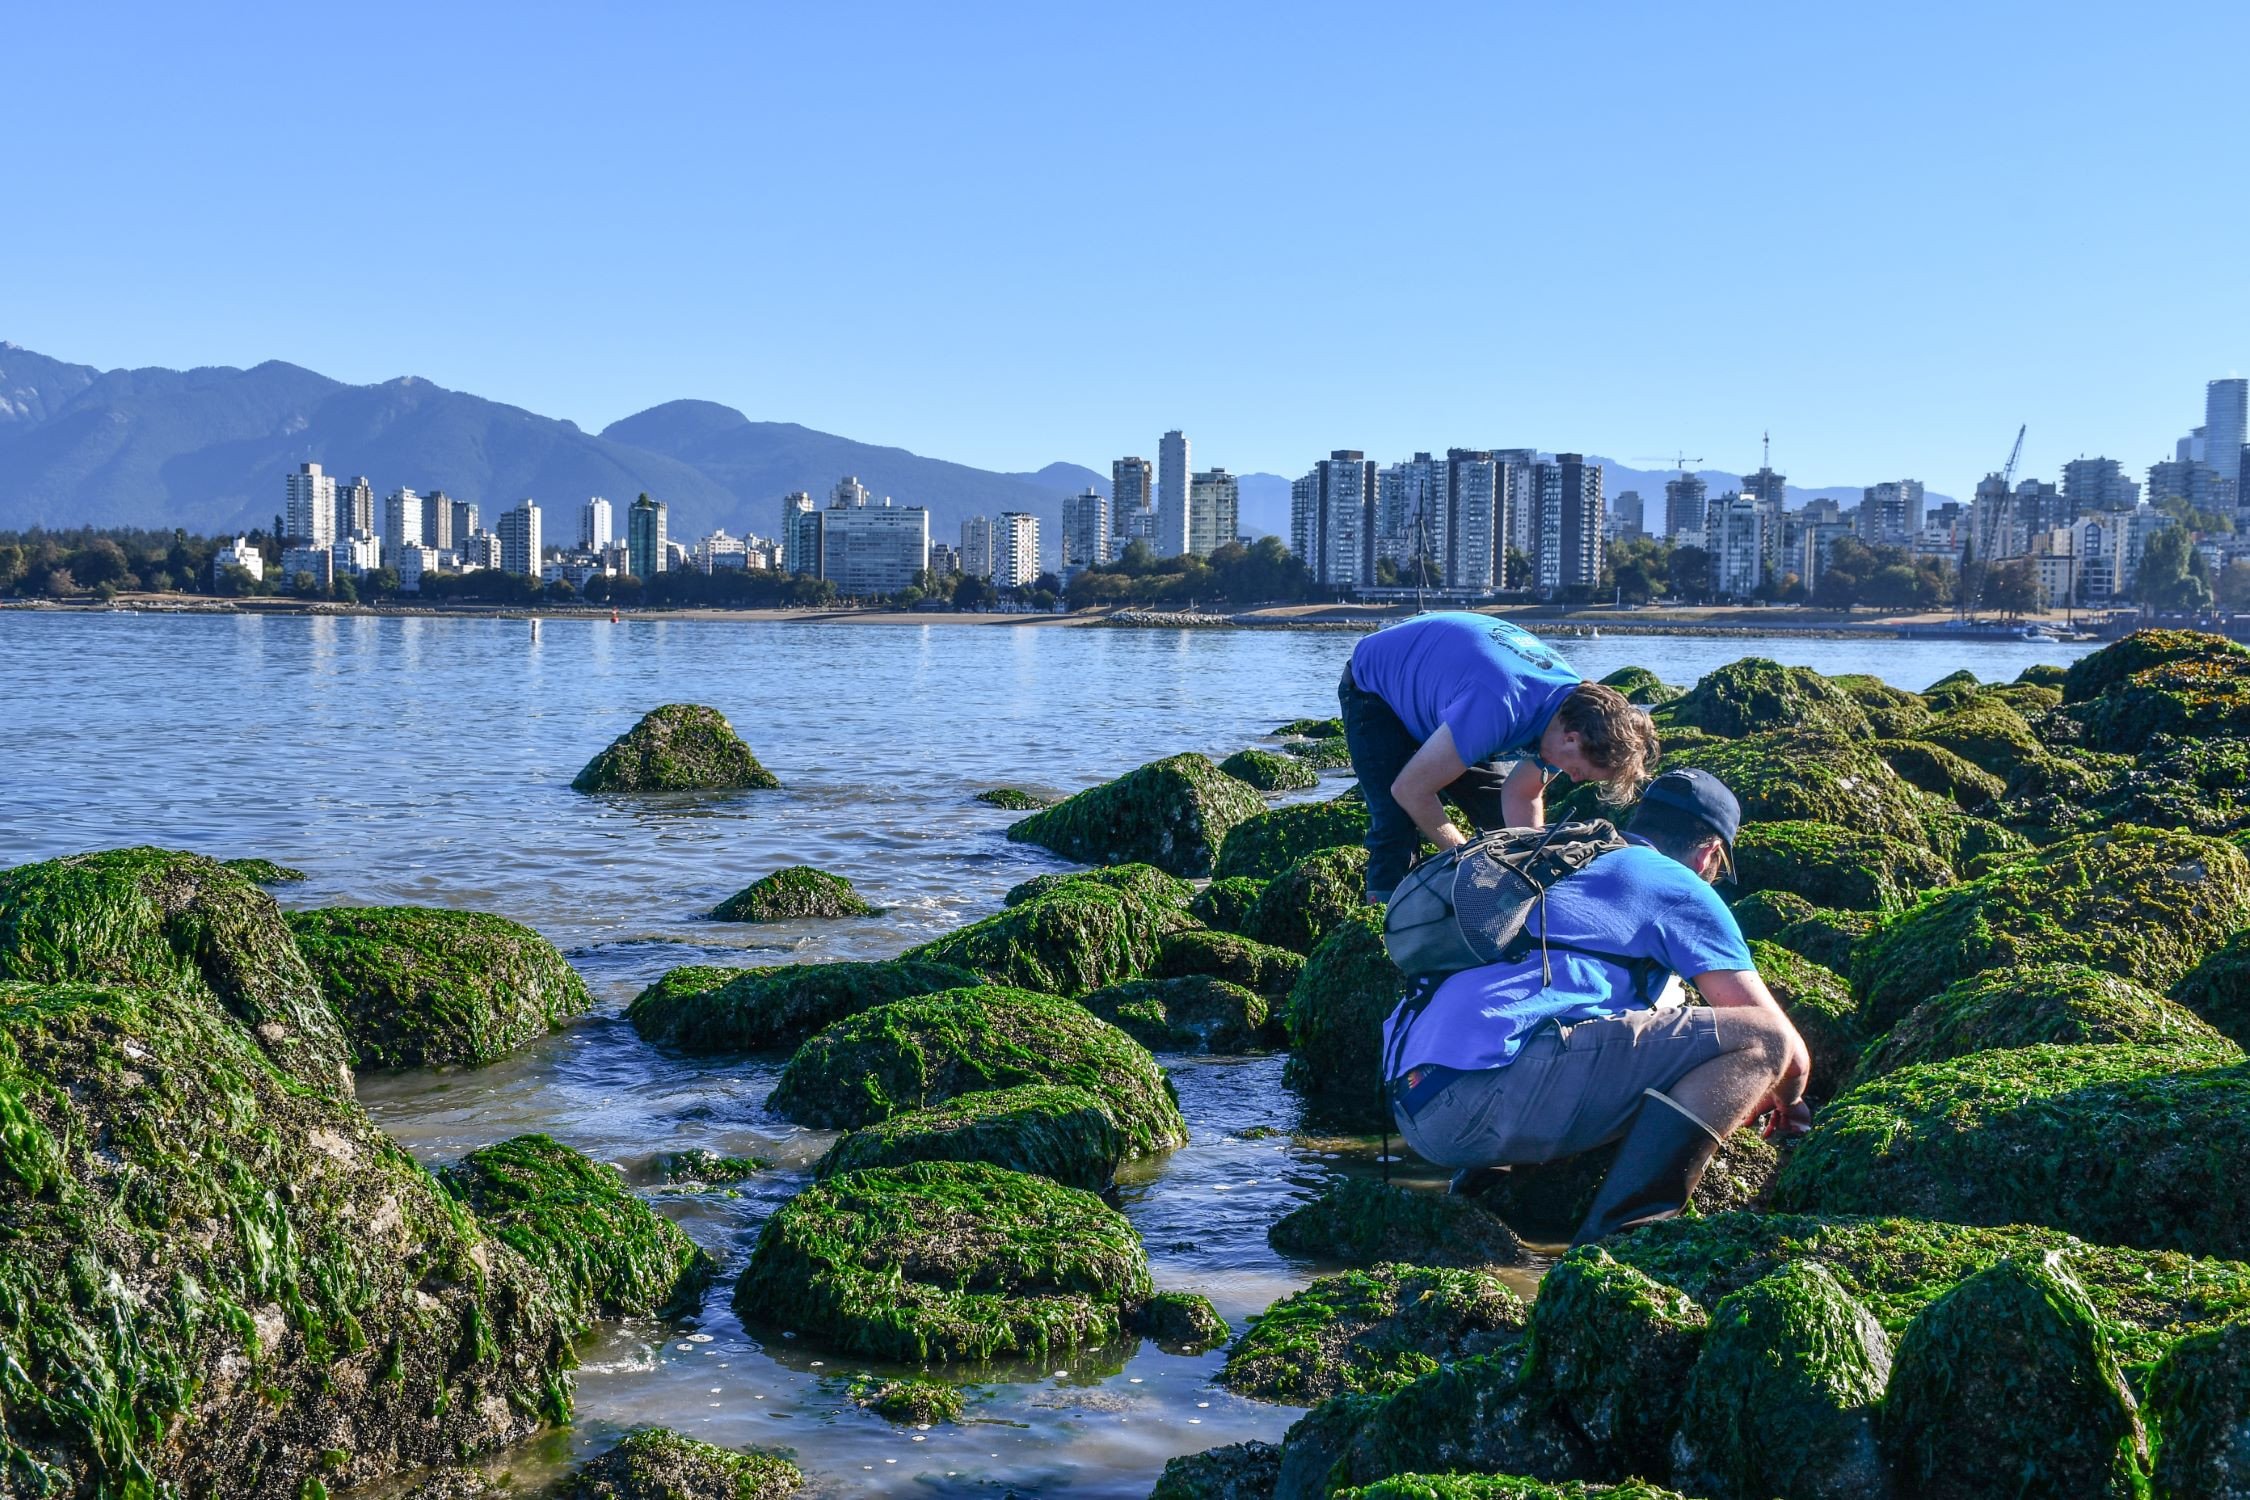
<point>1436,766</point>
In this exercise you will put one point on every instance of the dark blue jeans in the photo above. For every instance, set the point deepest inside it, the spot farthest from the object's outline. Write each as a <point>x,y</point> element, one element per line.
<point>1381,745</point>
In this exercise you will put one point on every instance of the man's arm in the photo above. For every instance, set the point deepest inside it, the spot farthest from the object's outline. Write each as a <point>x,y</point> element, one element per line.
<point>1523,796</point>
<point>1725,989</point>
<point>1436,766</point>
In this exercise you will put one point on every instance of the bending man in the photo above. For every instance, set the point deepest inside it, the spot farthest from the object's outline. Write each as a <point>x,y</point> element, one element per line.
<point>1528,1061</point>
<point>1431,703</point>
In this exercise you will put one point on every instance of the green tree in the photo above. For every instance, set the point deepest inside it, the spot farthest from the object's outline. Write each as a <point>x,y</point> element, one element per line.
<point>2012,588</point>
<point>2172,574</point>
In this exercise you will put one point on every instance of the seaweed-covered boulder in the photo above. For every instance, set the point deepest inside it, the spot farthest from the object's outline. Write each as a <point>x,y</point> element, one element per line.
<point>1229,956</point>
<point>1783,1399</point>
<point>2199,1409</point>
<point>265,871</point>
<point>1309,729</point>
<point>2045,674</point>
<point>1641,686</point>
<point>1172,814</point>
<point>2191,699</point>
<point>656,1463</point>
<point>681,747</point>
<point>1370,1331</point>
<point>1800,777</point>
<point>1183,1321</point>
<point>2108,1142</point>
<point>926,1402</point>
<point>1269,772</point>
<point>1142,883</point>
<point>1330,754</point>
<point>1013,799</point>
<point>602,1249</point>
<point>1941,773</point>
<point>911,1054</point>
<point>1226,903</point>
<point>2067,1004</point>
<point>1238,1471</point>
<point>1502,1487</point>
<point>2218,988</point>
<point>1546,1203</point>
<point>1757,696</point>
<point>1613,1347</point>
<point>702,1010</point>
<point>1477,1415</point>
<point>1077,936</point>
<point>1819,1004</point>
<point>2133,901</point>
<point>2007,1384</point>
<point>790,893</point>
<point>1194,1013</point>
<point>941,1260</point>
<point>2028,698</point>
<point>1268,844</point>
<point>1335,1020</point>
<point>2193,785</point>
<point>1821,934</point>
<point>218,1278</point>
<point>2095,674</point>
<point>1986,733</point>
<point>1309,900</point>
<point>1892,712</point>
<point>1852,868</point>
<point>1058,1132</point>
<point>153,918</point>
<point>1367,1223</point>
<point>420,985</point>
<point>699,1166</point>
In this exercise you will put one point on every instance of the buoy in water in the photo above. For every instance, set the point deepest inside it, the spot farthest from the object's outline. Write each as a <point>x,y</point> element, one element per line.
<point>613,614</point>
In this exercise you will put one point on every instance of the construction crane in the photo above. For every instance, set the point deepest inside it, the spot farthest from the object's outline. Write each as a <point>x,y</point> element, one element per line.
<point>2008,475</point>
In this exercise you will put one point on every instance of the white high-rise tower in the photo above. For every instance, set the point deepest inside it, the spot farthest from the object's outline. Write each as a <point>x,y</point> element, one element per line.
<point>311,513</point>
<point>1172,494</point>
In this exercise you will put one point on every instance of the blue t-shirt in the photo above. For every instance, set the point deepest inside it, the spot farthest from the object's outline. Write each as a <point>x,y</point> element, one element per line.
<point>1494,684</point>
<point>1632,901</point>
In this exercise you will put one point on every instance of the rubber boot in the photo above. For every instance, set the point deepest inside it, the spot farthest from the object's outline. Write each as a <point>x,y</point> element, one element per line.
<point>1475,1182</point>
<point>1656,1169</point>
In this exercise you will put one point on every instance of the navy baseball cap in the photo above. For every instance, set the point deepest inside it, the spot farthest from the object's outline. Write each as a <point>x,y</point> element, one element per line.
<point>1704,797</point>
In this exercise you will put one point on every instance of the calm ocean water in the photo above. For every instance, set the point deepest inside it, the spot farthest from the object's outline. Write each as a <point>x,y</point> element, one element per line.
<point>428,761</point>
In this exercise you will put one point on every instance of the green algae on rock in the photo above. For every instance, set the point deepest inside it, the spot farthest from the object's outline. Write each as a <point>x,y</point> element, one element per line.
<point>1819,934</point>
<point>265,871</point>
<point>1270,843</point>
<point>701,1010</point>
<point>1793,777</point>
<point>1226,903</point>
<point>1855,869</point>
<point>1369,1223</point>
<point>1502,1487</point>
<point>1081,934</point>
<point>911,1054</point>
<point>1171,813</point>
<point>1941,773</point>
<point>1335,1019</point>
<point>1050,1131</point>
<point>1641,686</point>
<point>2008,1384</point>
<point>2095,674</point>
<point>911,1400</point>
<point>2133,901</point>
<point>1238,1471</point>
<point>1143,883</point>
<point>1892,712</point>
<point>219,1275</point>
<point>1330,754</point>
<point>1755,696</point>
<point>1309,900</point>
<point>1986,733</point>
<point>1784,1398</point>
<point>1819,1004</point>
<point>948,1261</point>
<point>2193,785</point>
<point>1370,1331</point>
<point>1194,1013</point>
<point>1614,1347</point>
<point>417,986</point>
<point>2059,1003</point>
<point>2218,988</point>
<point>681,747</point>
<point>604,1251</point>
<point>1269,772</point>
<point>1181,1320</point>
<point>700,1166</point>
<point>2199,1409</point>
<point>793,892</point>
<point>656,1463</point>
<point>154,918</point>
<point>1229,956</point>
<point>2191,699</point>
<point>1309,729</point>
<point>1013,799</point>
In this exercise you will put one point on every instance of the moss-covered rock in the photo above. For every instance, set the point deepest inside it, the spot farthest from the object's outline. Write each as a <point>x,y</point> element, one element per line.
<point>1269,772</point>
<point>1820,934</point>
<point>2198,1409</point>
<point>1013,799</point>
<point>2193,785</point>
<point>701,1166</point>
<point>1641,686</point>
<point>911,1054</point>
<point>1784,1397</point>
<point>2107,1142</point>
<point>701,1010</point>
<point>2007,1384</point>
<point>1941,773</point>
<point>2093,675</point>
<point>602,1249</point>
<point>1893,712</point>
<point>656,1463</point>
<point>1238,1471</point>
<point>2066,1004</point>
<point>681,747</point>
<point>1855,869</point>
<point>1613,1347</point>
<point>1310,729</point>
<point>419,985</point>
<point>1796,777</point>
<point>1058,1132</point>
<point>1547,1202</point>
<point>2133,901</point>
<point>265,871</point>
<point>2191,699</point>
<point>791,893</point>
<point>1362,1222</point>
<point>1819,1004</point>
<point>1172,814</point>
<point>1502,1487</point>
<point>1194,1013</point>
<point>2027,698</point>
<point>1755,696</point>
<point>1986,733</point>
<point>1182,1321</point>
<point>1229,956</point>
<point>1267,845</point>
<point>154,918</point>
<point>2045,674</point>
<point>1330,754</point>
<point>927,1402</point>
<point>1226,903</point>
<point>1079,935</point>
<point>2218,988</point>
<point>948,1261</point>
<point>1335,1020</point>
<point>217,1274</point>
<point>1370,1331</point>
<point>1309,900</point>
<point>1143,883</point>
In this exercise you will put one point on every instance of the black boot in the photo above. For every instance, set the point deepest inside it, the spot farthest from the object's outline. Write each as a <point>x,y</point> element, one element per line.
<point>1475,1182</point>
<point>1656,1169</point>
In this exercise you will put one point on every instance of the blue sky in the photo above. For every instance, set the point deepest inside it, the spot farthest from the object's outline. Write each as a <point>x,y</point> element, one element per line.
<point>1008,235</point>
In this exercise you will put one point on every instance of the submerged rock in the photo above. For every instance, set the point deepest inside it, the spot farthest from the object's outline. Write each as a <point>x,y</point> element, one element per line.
<point>681,747</point>
<point>945,1261</point>
<point>1229,956</point>
<point>1370,1331</point>
<point>2199,1410</point>
<point>1310,729</point>
<point>924,1401</point>
<point>1755,696</point>
<point>1309,900</point>
<point>1195,1013</point>
<point>1369,1223</point>
<point>1181,1320</point>
<point>604,1251</point>
<point>1226,903</point>
<point>700,1010</point>
<point>698,1165</point>
<point>1335,1020</point>
<point>1079,935</point>
<point>418,985</point>
<point>1172,814</point>
<point>1238,1471</point>
<point>1830,866</point>
<point>793,892</point>
<point>1013,799</point>
<point>154,918</point>
<point>1269,772</point>
<point>912,1054</point>
<point>656,1463</point>
<point>1268,844</point>
<point>1057,1132</point>
<point>1819,1004</point>
<point>1501,1487</point>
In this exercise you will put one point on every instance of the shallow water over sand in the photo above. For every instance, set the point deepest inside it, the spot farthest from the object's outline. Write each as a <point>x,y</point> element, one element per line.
<point>428,761</point>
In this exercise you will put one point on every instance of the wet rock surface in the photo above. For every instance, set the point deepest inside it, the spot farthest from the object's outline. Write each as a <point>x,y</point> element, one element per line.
<point>681,747</point>
<point>1172,814</point>
<point>790,894</point>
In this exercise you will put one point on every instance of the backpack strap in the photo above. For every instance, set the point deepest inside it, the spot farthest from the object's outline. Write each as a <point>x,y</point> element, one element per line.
<point>1646,974</point>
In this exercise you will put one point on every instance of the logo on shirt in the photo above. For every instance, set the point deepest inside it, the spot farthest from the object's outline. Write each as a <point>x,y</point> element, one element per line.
<point>1525,645</point>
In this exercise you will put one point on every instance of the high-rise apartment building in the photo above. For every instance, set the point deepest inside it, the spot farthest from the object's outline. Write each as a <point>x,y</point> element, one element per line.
<point>402,523</point>
<point>2226,416</point>
<point>1890,513</point>
<point>477,550</point>
<point>1473,500</point>
<point>2091,485</point>
<point>794,506</point>
<point>980,547</point>
<point>1684,501</point>
<point>2185,479</point>
<point>520,549</point>
<point>647,551</point>
<point>310,514</point>
<point>1015,562</point>
<point>1332,520</point>
<point>869,550</point>
<point>355,507</point>
<point>1523,511</point>
<point>464,522</point>
<point>1734,528</point>
<point>1172,494</point>
<point>1627,516</point>
<point>1570,551</point>
<point>437,520</point>
<point>594,531</point>
<point>1085,530</point>
<point>1214,510</point>
<point>1132,500</point>
<point>1410,519</point>
<point>849,494</point>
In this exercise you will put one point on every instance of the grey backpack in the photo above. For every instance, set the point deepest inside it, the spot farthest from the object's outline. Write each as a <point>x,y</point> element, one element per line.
<point>1469,905</point>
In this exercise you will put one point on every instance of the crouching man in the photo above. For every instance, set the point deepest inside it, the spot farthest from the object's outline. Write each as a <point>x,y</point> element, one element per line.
<point>1583,1040</point>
